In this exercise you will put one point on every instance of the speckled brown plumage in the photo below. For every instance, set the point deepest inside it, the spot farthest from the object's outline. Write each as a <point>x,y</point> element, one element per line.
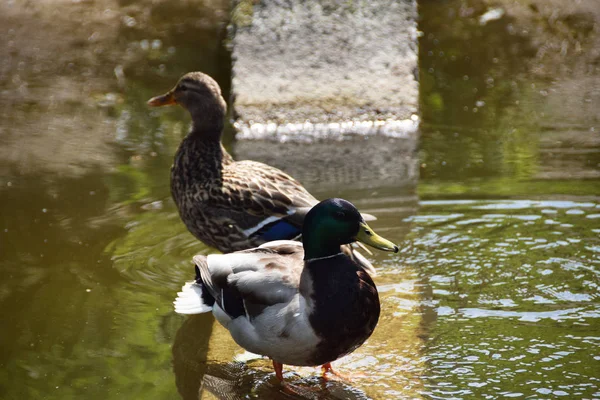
<point>218,198</point>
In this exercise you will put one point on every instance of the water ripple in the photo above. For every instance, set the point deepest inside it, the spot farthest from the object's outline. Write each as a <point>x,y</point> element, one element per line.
<point>508,295</point>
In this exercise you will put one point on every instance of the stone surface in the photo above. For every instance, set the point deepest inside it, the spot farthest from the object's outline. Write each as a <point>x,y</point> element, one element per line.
<point>326,62</point>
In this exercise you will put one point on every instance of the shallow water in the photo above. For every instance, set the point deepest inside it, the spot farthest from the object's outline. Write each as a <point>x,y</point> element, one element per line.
<point>494,293</point>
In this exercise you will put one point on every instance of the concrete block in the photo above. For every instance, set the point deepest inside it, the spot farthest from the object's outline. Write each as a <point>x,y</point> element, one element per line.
<point>324,67</point>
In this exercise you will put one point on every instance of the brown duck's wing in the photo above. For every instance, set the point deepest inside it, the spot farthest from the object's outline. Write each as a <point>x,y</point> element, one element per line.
<point>261,201</point>
<point>254,196</point>
<point>263,190</point>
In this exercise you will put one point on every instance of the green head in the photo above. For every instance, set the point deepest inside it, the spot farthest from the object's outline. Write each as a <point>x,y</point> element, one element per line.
<point>334,222</point>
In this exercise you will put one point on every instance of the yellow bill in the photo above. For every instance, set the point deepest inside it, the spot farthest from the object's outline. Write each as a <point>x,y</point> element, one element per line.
<point>366,235</point>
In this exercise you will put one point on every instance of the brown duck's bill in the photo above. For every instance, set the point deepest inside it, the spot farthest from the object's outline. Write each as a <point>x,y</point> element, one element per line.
<point>366,235</point>
<point>166,99</point>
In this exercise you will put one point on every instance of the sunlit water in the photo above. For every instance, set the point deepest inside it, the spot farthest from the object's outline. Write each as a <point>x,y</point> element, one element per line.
<point>495,291</point>
<point>506,295</point>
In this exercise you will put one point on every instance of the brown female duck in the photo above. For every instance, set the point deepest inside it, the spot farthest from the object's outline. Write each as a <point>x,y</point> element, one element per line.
<point>230,205</point>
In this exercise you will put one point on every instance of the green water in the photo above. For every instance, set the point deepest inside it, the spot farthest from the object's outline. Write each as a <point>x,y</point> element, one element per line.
<point>494,293</point>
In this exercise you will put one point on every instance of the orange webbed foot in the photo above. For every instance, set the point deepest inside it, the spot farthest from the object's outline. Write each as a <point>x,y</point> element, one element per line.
<point>328,369</point>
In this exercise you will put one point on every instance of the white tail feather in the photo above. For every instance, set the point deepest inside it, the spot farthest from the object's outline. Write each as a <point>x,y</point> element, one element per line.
<point>189,300</point>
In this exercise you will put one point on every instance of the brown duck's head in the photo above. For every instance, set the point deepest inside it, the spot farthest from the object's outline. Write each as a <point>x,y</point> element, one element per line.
<point>200,95</point>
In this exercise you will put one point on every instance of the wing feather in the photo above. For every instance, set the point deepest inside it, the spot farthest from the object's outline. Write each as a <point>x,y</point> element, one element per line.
<point>269,192</point>
<point>254,279</point>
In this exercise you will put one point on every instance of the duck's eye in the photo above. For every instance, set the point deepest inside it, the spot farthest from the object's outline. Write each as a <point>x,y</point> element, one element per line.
<point>340,215</point>
<point>182,88</point>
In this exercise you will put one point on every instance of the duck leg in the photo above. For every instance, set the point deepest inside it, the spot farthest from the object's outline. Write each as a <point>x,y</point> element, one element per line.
<point>328,369</point>
<point>278,367</point>
<point>286,386</point>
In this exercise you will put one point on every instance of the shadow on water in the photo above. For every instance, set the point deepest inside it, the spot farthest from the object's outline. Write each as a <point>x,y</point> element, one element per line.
<point>190,353</point>
<point>489,297</point>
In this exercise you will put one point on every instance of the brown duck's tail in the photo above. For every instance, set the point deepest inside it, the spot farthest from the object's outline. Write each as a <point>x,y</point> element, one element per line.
<point>359,259</point>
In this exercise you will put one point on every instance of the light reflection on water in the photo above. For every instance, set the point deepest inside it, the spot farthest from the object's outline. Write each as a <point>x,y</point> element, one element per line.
<point>509,308</point>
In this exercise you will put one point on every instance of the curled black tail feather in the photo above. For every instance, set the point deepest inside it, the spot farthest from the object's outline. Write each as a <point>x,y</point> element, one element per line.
<point>206,296</point>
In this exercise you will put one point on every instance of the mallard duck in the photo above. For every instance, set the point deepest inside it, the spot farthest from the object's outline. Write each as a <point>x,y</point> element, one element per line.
<point>230,205</point>
<point>304,304</point>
